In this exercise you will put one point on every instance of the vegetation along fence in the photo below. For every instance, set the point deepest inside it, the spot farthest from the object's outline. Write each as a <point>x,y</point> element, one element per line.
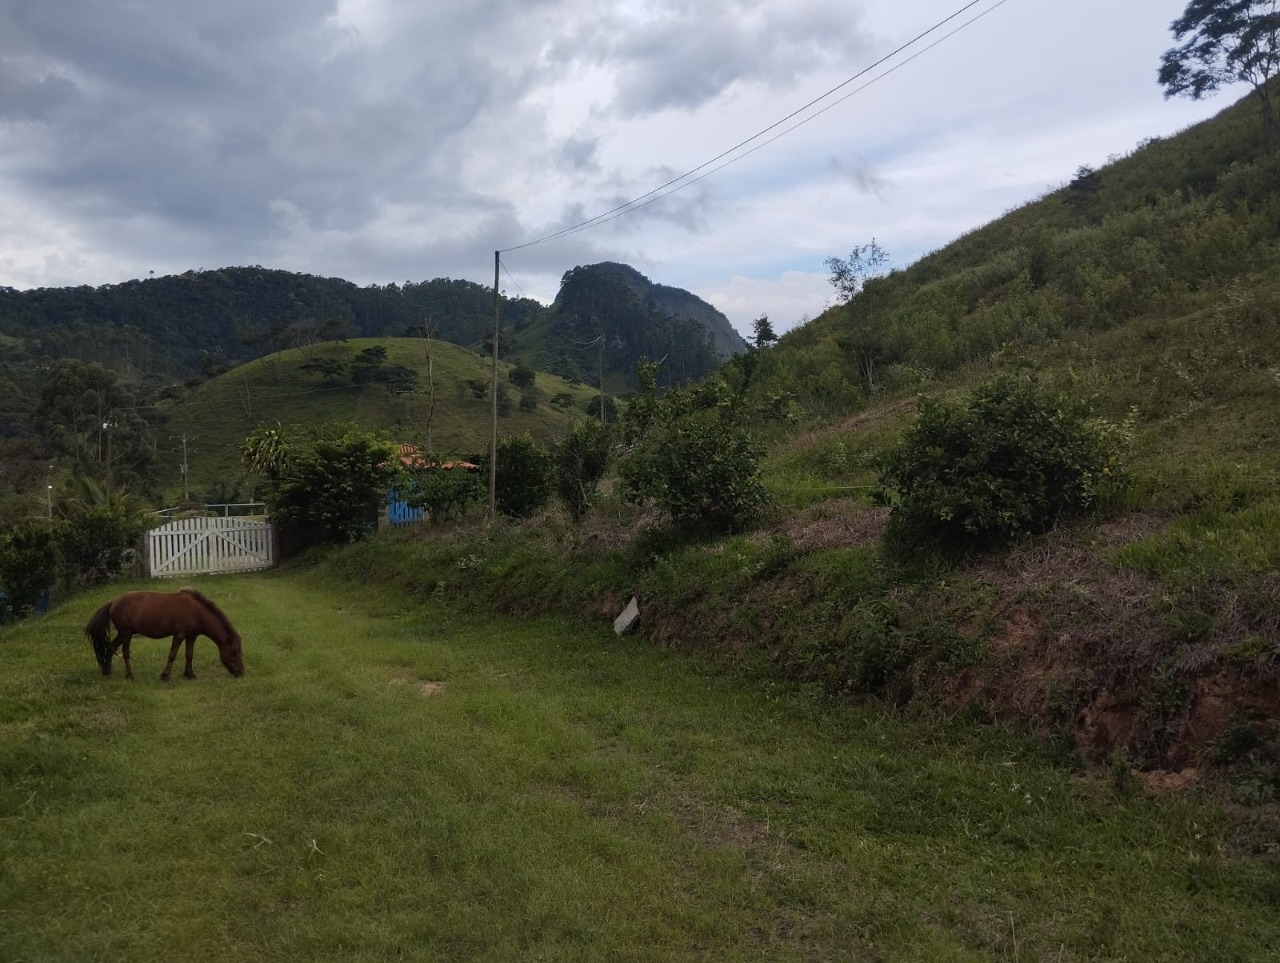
<point>206,546</point>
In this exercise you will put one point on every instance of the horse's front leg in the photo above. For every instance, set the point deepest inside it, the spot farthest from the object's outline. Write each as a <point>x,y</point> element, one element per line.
<point>191,648</point>
<point>173,654</point>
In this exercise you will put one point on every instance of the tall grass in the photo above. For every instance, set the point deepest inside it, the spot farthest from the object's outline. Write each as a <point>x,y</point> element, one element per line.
<point>394,780</point>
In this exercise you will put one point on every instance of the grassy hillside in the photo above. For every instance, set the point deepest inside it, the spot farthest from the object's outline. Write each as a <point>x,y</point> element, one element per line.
<point>1183,231</point>
<point>218,415</point>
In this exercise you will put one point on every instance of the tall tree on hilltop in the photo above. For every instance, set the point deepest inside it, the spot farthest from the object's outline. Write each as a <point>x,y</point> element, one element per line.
<point>849,276</point>
<point>762,332</point>
<point>1221,42</point>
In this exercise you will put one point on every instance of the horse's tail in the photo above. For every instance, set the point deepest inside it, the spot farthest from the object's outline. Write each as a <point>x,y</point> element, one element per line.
<point>99,632</point>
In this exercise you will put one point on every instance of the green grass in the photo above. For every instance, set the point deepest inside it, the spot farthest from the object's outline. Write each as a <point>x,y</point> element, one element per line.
<point>392,781</point>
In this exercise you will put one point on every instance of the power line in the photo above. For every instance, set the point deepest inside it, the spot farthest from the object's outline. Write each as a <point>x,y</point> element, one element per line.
<point>604,219</point>
<point>513,279</point>
<point>661,190</point>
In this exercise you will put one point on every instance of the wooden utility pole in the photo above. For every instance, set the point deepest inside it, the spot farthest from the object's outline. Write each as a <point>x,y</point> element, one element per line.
<point>185,494</point>
<point>600,371</point>
<point>493,392</point>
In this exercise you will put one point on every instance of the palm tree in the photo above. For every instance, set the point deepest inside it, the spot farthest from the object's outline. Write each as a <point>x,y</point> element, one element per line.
<point>267,452</point>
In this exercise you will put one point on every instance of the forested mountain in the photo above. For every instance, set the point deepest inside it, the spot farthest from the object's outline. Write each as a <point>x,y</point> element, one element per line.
<point>608,316</point>
<point>173,327</point>
<point>87,374</point>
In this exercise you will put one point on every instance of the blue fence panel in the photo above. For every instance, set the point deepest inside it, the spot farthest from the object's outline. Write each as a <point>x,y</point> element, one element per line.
<point>399,512</point>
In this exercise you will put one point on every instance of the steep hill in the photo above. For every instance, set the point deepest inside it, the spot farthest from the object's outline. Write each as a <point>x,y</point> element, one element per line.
<point>366,388</point>
<point>609,316</point>
<point>1180,226</point>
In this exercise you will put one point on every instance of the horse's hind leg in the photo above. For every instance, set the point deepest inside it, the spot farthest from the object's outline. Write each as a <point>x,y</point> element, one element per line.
<point>191,648</point>
<point>123,642</point>
<point>173,654</point>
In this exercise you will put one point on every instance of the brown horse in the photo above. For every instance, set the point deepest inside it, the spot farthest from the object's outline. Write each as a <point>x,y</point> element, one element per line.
<point>183,614</point>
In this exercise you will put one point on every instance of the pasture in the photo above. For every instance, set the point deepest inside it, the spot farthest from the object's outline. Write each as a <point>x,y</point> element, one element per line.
<point>390,781</point>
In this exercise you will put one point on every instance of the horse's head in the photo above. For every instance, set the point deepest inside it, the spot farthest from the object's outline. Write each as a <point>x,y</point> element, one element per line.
<point>232,655</point>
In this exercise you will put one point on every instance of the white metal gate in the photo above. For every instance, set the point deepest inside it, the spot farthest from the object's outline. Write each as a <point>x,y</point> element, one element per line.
<point>204,546</point>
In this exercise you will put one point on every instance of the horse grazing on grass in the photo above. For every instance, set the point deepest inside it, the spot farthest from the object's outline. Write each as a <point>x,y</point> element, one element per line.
<point>183,614</point>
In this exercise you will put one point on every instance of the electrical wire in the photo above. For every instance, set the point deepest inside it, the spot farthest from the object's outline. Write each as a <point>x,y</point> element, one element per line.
<point>661,190</point>
<point>604,219</point>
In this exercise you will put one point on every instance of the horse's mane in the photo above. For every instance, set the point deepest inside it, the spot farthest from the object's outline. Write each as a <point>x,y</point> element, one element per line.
<point>214,610</point>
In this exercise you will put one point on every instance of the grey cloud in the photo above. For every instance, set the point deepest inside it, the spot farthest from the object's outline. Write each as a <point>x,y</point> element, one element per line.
<point>682,54</point>
<point>201,114</point>
<point>240,131</point>
<point>34,98</point>
<point>859,173</point>
<point>579,154</point>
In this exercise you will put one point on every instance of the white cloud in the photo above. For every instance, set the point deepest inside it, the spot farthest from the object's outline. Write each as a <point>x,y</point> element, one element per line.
<point>382,140</point>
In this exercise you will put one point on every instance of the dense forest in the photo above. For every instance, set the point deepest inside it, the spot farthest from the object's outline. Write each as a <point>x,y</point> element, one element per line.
<point>174,327</point>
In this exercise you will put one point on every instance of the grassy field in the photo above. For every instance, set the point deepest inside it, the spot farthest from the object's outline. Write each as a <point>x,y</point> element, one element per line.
<point>397,782</point>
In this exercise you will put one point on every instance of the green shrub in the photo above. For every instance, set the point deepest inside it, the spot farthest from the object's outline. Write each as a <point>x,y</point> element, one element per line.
<point>522,376</point>
<point>97,543</point>
<point>333,483</point>
<point>691,456</point>
<point>700,468</point>
<point>441,491</point>
<point>28,565</point>
<point>524,477</point>
<point>581,458</point>
<point>1011,462</point>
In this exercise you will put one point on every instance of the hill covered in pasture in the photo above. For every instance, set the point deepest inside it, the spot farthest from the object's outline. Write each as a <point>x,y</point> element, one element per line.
<point>428,393</point>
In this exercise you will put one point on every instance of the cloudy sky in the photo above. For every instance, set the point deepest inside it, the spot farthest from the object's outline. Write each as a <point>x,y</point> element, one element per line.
<point>395,140</point>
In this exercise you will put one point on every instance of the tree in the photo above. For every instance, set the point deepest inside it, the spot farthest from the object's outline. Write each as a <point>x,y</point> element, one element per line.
<point>267,452</point>
<point>28,565</point>
<point>440,490</point>
<point>77,401</point>
<point>326,367</point>
<point>762,332</point>
<point>1221,42</point>
<point>522,376</point>
<point>849,276</point>
<point>95,545</point>
<point>368,365</point>
<point>308,332</point>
